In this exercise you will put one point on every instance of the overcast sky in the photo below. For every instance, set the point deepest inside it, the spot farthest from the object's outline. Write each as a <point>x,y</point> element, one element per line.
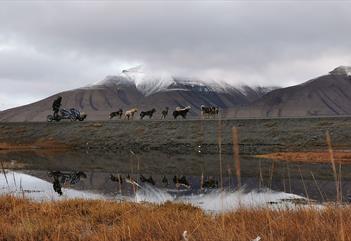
<point>47,47</point>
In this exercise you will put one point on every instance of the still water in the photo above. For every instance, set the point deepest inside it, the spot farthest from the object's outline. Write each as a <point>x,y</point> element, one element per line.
<point>159,177</point>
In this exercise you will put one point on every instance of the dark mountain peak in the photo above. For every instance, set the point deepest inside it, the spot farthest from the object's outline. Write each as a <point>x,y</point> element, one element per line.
<point>117,80</point>
<point>189,85</point>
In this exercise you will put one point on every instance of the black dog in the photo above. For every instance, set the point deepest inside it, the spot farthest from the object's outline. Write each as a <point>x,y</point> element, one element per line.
<point>164,113</point>
<point>147,113</point>
<point>117,113</point>
<point>148,180</point>
<point>181,112</point>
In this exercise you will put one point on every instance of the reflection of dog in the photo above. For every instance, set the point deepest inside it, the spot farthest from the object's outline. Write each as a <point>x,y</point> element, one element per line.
<point>181,181</point>
<point>75,177</point>
<point>165,181</point>
<point>131,180</point>
<point>210,183</point>
<point>130,113</point>
<point>117,113</point>
<point>148,180</point>
<point>164,113</point>
<point>181,112</point>
<point>117,178</point>
<point>147,113</point>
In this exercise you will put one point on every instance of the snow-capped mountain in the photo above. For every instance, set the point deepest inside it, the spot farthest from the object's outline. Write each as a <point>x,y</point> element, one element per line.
<point>144,90</point>
<point>326,95</point>
<point>148,83</point>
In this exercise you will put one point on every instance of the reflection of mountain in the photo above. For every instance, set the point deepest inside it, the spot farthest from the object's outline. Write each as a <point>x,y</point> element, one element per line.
<point>133,88</point>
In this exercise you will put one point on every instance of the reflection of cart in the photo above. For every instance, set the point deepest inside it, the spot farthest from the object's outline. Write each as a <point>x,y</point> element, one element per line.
<point>68,177</point>
<point>61,178</point>
<point>71,114</point>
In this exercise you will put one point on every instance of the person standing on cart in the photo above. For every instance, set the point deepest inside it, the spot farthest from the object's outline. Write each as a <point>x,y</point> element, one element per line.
<point>56,106</point>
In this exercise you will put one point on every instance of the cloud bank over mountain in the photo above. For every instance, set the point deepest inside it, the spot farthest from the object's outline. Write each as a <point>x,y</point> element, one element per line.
<point>46,47</point>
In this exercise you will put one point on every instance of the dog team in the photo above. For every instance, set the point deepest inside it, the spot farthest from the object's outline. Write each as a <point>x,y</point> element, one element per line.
<point>129,114</point>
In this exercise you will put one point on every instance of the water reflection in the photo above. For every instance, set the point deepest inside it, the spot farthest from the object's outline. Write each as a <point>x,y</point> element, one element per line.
<point>62,178</point>
<point>149,180</point>
<point>29,186</point>
<point>69,179</point>
<point>114,174</point>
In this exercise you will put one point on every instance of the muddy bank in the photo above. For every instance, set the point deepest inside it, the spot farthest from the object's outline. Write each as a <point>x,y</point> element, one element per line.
<point>257,136</point>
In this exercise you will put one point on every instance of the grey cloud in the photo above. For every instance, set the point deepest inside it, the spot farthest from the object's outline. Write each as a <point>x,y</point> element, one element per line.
<point>49,46</point>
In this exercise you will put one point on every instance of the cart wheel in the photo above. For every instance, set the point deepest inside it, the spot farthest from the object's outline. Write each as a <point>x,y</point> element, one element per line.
<point>49,118</point>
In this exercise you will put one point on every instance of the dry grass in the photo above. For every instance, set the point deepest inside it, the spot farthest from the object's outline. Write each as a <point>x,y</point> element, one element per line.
<point>312,157</point>
<point>102,220</point>
<point>42,143</point>
<point>236,154</point>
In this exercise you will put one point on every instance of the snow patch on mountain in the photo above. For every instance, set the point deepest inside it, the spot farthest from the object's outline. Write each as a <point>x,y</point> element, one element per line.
<point>342,70</point>
<point>205,86</point>
<point>149,83</point>
<point>144,81</point>
<point>115,80</point>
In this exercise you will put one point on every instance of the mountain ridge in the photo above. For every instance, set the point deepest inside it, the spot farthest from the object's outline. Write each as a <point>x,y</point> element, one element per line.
<point>136,90</point>
<point>325,95</point>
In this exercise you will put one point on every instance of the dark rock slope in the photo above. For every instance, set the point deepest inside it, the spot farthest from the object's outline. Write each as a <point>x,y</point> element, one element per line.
<point>326,95</point>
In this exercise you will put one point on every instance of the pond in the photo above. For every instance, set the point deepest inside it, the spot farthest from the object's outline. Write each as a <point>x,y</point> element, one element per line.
<point>158,177</point>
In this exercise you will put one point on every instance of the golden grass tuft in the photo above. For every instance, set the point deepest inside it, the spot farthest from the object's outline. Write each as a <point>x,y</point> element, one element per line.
<point>22,219</point>
<point>309,157</point>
